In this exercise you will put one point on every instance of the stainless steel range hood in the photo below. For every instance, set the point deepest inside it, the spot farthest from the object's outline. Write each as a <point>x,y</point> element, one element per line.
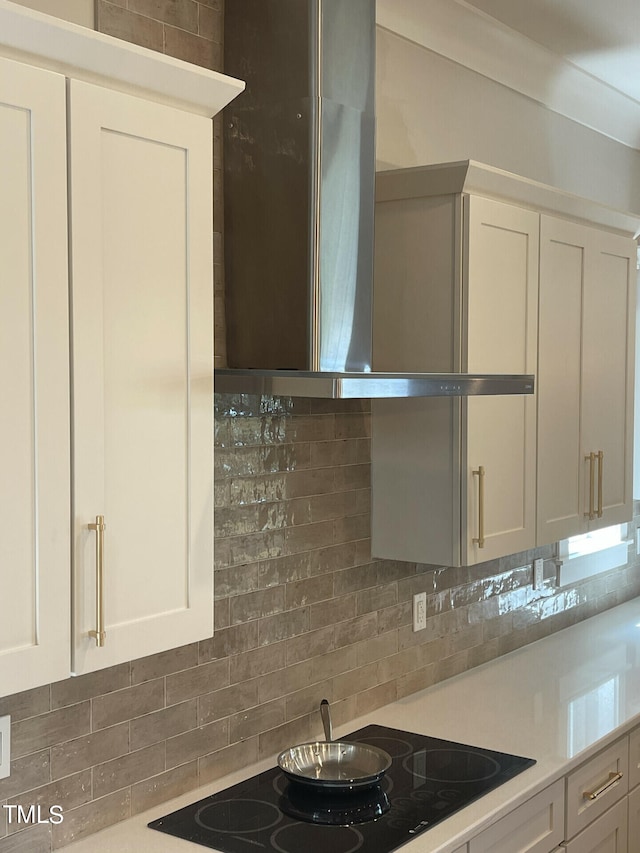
<point>299,174</point>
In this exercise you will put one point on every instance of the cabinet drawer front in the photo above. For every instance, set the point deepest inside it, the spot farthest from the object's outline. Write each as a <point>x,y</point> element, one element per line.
<point>608,834</point>
<point>634,814</point>
<point>592,777</point>
<point>534,827</point>
<point>634,758</point>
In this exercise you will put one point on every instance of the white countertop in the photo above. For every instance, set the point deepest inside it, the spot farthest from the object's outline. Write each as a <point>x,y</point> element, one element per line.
<point>558,700</point>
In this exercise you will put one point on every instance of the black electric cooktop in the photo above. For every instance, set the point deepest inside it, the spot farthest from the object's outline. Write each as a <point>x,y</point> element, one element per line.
<point>429,780</point>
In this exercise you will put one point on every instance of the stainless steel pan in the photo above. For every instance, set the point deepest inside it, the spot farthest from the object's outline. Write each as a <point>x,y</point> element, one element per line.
<point>334,765</point>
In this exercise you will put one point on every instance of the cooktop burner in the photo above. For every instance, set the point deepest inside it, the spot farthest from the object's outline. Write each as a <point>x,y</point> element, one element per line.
<point>429,779</point>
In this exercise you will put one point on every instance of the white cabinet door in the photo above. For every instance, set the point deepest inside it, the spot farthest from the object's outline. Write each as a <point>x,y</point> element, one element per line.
<point>34,383</point>
<point>607,375</point>
<point>456,290</point>
<point>142,356</point>
<point>634,758</point>
<point>563,265</point>
<point>585,376</point>
<point>501,296</point>
<point>634,819</point>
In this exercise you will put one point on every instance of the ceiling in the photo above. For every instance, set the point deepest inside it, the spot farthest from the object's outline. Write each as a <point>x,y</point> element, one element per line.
<point>602,37</point>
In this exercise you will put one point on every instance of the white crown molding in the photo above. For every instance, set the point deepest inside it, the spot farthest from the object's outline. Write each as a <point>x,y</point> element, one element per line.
<point>473,39</point>
<point>79,52</point>
<point>469,176</point>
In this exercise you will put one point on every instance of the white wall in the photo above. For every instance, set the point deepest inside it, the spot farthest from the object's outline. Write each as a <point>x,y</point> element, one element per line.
<point>433,110</point>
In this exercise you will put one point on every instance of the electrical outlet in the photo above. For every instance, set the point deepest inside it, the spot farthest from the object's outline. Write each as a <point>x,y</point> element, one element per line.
<point>5,746</point>
<point>419,611</point>
<point>538,573</point>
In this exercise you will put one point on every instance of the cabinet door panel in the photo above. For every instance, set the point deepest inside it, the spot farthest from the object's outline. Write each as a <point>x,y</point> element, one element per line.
<point>585,377</point>
<point>142,368</point>
<point>634,758</point>
<point>607,375</point>
<point>34,352</point>
<point>634,818</point>
<point>501,281</point>
<point>560,466</point>
<point>607,834</point>
<point>500,439</point>
<point>501,287</point>
<point>590,776</point>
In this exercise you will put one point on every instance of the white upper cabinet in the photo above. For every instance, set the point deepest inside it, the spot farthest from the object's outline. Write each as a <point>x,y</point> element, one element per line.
<point>142,343</point>
<point>106,545</point>
<point>456,290</point>
<point>585,378</point>
<point>461,253</point>
<point>34,379</point>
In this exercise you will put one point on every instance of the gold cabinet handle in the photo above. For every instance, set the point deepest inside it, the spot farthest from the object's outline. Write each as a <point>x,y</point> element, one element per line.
<point>479,472</point>
<point>591,457</point>
<point>612,779</point>
<point>600,463</point>
<point>99,634</point>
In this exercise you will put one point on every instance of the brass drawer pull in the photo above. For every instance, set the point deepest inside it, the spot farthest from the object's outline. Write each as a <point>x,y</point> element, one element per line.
<point>591,457</point>
<point>99,634</point>
<point>613,778</point>
<point>479,472</point>
<point>600,456</point>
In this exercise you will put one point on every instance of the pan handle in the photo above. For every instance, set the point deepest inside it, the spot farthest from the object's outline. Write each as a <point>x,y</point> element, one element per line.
<point>325,713</point>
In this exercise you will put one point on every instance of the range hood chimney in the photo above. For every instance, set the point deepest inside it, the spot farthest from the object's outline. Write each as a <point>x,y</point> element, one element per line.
<point>299,180</point>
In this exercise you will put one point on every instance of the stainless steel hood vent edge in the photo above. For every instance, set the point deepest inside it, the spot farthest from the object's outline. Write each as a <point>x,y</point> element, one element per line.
<point>354,385</point>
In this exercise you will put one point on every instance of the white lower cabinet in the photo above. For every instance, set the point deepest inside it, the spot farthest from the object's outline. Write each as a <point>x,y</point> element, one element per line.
<point>588,811</point>
<point>634,792</point>
<point>536,826</point>
<point>607,834</point>
<point>596,785</point>
<point>634,758</point>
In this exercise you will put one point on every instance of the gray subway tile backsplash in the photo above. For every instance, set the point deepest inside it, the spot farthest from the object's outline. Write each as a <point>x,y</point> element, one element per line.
<point>125,771</point>
<point>89,750</point>
<point>69,793</point>
<point>128,703</point>
<point>163,724</point>
<point>91,817</point>
<point>47,730</point>
<point>36,839</point>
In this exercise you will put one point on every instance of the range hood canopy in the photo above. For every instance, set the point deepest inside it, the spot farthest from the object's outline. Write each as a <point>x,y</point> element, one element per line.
<point>299,185</point>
